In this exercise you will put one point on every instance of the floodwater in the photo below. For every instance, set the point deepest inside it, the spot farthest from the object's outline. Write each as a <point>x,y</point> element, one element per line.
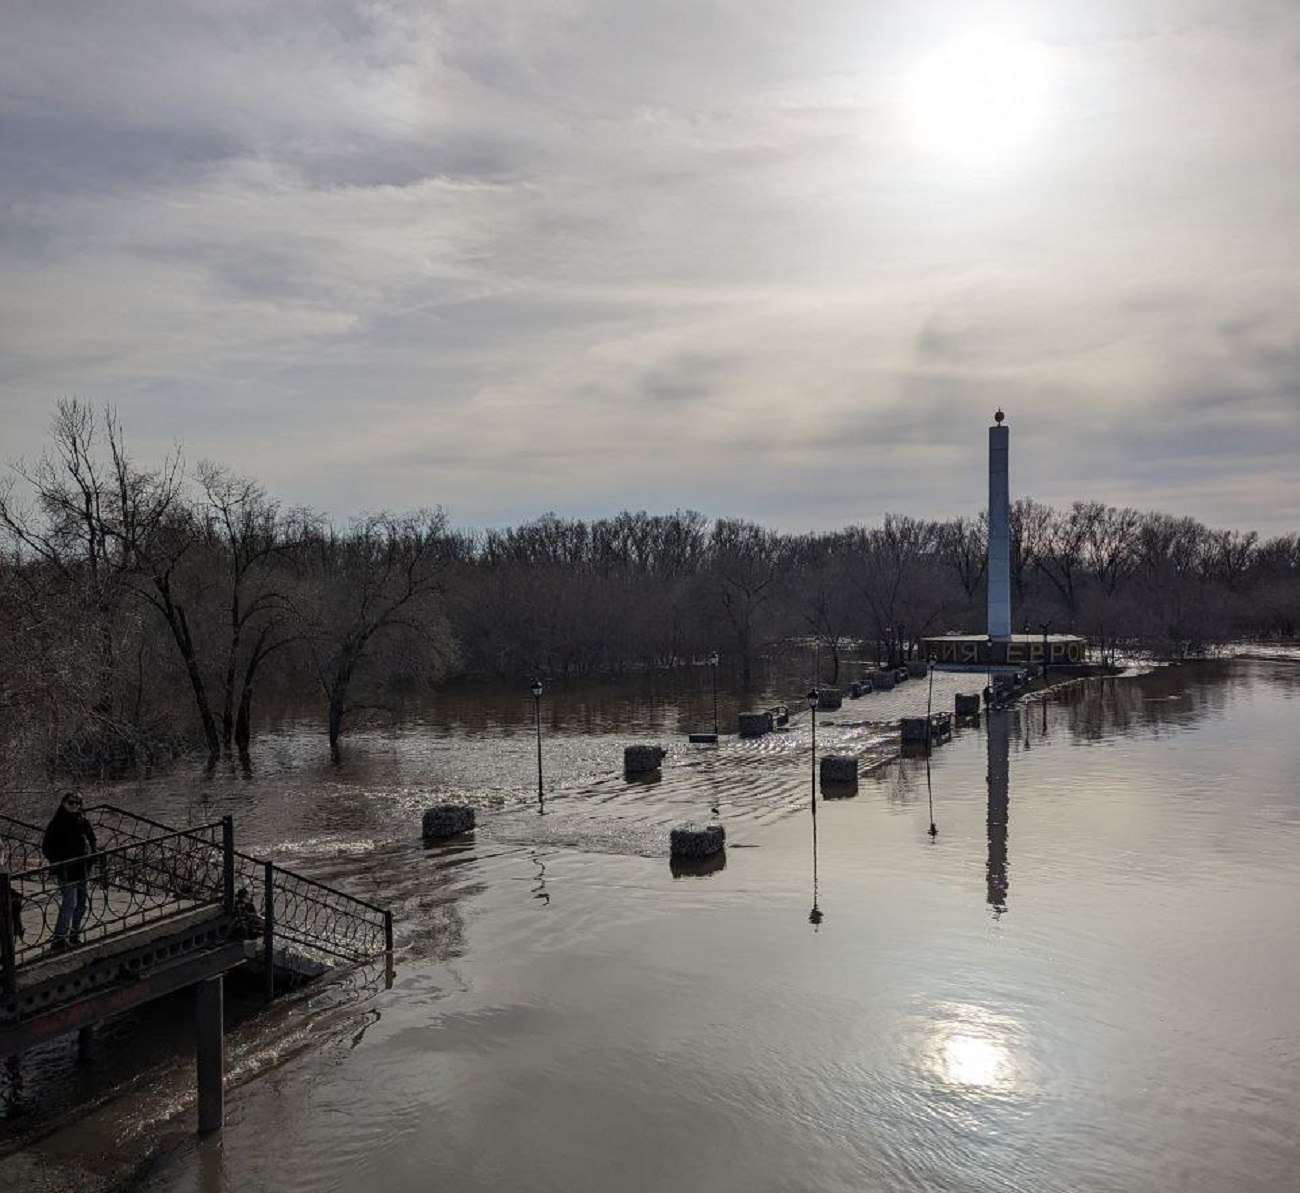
<point>1088,979</point>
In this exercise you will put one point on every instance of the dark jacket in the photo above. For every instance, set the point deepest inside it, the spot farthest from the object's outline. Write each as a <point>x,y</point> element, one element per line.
<point>68,839</point>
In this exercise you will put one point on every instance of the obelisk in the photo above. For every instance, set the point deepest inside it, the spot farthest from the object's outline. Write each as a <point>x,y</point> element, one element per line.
<point>999,569</point>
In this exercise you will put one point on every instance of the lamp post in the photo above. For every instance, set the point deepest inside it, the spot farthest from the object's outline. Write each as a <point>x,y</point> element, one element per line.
<point>713,673</point>
<point>537,709</point>
<point>929,731</point>
<point>815,916</point>
<point>1044,629</point>
<point>814,698</point>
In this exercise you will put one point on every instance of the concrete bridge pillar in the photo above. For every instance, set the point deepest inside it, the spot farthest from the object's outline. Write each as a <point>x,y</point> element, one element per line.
<point>210,1051</point>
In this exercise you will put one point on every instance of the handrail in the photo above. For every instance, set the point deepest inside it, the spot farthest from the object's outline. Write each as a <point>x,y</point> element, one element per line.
<point>325,923</point>
<point>312,915</point>
<point>246,857</point>
<point>29,836</point>
<point>144,881</point>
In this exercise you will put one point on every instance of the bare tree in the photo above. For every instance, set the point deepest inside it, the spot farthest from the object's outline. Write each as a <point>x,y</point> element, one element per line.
<point>258,544</point>
<point>99,524</point>
<point>745,564</point>
<point>382,583</point>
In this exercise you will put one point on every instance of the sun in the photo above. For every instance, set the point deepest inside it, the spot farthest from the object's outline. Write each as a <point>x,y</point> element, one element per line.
<point>982,99</point>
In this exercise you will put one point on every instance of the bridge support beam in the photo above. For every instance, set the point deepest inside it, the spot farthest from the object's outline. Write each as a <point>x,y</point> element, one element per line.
<point>210,1047</point>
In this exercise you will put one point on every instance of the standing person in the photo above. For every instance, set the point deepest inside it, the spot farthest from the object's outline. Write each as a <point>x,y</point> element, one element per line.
<point>69,840</point>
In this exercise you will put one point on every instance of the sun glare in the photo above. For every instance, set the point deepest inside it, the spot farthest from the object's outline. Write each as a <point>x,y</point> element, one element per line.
<point>981,99</point>
<point>973,1060</point>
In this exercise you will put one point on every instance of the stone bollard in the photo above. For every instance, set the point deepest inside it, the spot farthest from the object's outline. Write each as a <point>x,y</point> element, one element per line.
<point>447,820</point>
<point>883,680</point>
<point>691,842</point>
<point>642,760</point>
<point>839,769</point>
<point>829,698</point>
<point>855,689</point>
<point>915,728</point>
<point>967,706</point>
<point>754,724</point>
<point>918,668</point>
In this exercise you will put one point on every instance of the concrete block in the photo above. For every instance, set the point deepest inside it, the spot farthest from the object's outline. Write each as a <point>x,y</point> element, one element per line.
<point>839,769</point>
<point>694,841</point>
<point>642,760</point>
<point>447,820</point>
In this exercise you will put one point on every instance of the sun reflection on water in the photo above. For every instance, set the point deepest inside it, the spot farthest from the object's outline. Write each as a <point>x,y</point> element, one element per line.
<point>974,1060</point>
<point>973,1048</point>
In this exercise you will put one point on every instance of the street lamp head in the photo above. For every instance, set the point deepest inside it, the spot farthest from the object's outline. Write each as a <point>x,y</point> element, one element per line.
<point>814,697</point>
<point>537,689</point>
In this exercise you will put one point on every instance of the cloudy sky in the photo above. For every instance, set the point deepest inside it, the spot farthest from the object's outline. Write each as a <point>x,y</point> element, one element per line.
<point>777,259</point>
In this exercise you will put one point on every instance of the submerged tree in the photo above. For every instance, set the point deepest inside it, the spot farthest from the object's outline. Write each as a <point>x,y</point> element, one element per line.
<point>259,547</point>
<point>377,590</point>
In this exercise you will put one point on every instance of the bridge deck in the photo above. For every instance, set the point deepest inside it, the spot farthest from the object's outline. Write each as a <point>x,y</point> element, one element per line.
<point>67,991</point>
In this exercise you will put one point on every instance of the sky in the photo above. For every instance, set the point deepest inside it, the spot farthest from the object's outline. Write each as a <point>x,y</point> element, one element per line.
<point>766,259</point>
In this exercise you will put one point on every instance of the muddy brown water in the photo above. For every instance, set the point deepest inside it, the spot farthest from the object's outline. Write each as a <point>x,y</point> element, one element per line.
<point>1088,980</point>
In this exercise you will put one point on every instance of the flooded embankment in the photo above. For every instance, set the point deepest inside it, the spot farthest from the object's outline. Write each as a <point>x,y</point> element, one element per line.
<point>1086,980</point>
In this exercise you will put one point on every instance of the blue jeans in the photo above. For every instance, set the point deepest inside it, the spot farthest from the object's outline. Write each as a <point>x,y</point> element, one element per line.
<point>74,899</point>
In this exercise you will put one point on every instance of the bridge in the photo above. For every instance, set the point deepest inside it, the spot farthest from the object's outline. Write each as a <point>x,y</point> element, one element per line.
<point>169,909</point>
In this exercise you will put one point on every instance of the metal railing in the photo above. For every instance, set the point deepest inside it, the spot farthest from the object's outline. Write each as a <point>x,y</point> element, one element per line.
<point>126,887</point>
<point>314,917</point>
<point>20,844</point>
<point>147,870</point>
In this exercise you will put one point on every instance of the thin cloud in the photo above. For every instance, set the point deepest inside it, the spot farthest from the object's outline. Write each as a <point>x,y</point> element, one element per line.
<point>514,256</point>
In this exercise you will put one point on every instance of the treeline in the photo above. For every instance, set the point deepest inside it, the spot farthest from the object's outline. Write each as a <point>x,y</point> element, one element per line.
<point>144,610</point>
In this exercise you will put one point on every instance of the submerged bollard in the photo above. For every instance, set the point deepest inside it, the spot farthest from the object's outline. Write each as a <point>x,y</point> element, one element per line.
<point>690,842</point>
<point>915,728</point>
<point>839,770</point>
<point>642,760</point>
<point>447,820</point>
<point>967,706</point>
<point>754,724</point>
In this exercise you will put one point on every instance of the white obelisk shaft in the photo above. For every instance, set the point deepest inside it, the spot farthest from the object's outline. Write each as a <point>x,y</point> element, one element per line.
<point>999,569</point>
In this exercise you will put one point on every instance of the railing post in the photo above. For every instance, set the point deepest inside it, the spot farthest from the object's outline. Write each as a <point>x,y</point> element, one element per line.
<point>268,928</point>
<point>388,950</point>
<point>8,957</point>
<point>228,863</point>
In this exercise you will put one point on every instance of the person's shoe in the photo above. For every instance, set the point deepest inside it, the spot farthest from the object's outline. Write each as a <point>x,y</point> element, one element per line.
<point>74,941</point>
<point>59,944</point>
